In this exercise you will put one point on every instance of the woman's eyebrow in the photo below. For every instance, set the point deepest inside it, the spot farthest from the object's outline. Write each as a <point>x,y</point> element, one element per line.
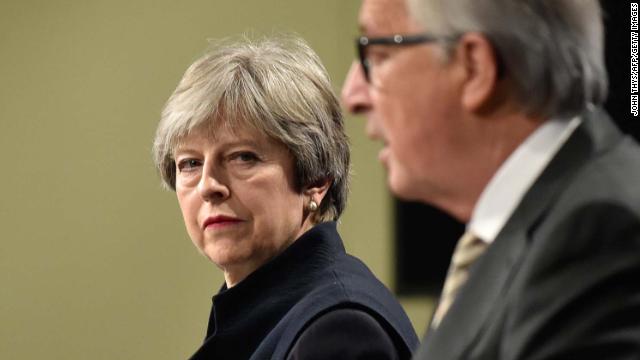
<point>255,143</point>
<point>181,149</point>
<point>223,145</point>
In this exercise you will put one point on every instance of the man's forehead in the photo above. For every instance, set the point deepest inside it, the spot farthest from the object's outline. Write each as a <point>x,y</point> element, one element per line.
<point>385,17</point>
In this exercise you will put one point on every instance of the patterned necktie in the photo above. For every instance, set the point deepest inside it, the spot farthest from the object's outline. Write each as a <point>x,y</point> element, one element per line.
<point>468,249</point>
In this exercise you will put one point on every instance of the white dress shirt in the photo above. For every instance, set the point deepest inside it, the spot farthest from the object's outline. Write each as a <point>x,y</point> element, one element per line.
<point>515,177</point>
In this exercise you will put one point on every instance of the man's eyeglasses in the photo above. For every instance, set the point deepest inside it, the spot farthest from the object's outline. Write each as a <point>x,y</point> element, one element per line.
<point>396,40</point>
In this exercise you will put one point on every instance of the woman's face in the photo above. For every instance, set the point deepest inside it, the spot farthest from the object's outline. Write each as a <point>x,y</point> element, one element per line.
<point>236,192</point>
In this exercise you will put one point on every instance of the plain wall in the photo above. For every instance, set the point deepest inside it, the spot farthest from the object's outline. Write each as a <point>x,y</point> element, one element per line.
<point>94,259</point>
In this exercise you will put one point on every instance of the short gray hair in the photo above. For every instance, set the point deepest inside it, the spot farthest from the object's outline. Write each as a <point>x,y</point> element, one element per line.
<point>552,50</point>
<point>275,85</point>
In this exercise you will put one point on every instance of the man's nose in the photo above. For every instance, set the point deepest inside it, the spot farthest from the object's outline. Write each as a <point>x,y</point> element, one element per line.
<point>355,91</point>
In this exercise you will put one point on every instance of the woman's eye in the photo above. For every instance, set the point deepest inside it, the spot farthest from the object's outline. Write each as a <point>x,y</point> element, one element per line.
<point>188,165</point>
<point>245,157</point>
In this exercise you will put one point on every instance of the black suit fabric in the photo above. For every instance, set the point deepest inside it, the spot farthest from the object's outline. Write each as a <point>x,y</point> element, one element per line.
<point>562,278</point>
<point>310,299</point>
<point>325,338</point>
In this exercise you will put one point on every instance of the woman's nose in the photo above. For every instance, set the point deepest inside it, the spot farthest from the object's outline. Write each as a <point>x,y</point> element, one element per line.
<point>355,91</point>
<point>212,187</point>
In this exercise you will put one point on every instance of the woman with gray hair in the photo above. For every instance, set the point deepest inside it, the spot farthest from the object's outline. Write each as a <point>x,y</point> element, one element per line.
<point>252,142</point>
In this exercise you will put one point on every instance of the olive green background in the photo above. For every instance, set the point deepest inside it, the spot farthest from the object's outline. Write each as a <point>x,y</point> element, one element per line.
<point>94,260</point>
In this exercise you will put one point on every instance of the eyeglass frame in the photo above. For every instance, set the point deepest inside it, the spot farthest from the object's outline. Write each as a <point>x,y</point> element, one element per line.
<point>406,40</point>
<point>362,42</point>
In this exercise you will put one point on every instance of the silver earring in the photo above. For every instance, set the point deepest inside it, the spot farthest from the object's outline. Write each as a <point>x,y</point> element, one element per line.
<point>313,206</point>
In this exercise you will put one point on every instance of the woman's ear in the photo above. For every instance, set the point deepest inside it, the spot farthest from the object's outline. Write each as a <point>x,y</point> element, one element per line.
<point>317,191</point>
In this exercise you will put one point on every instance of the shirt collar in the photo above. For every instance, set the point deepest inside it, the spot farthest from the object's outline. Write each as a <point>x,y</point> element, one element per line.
<point>516,175</point>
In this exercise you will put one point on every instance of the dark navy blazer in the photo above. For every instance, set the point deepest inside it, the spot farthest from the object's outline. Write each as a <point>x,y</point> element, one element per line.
<point>312,282</point>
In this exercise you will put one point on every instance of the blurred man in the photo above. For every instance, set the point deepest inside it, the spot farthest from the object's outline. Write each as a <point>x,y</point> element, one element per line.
<point>489,110</point>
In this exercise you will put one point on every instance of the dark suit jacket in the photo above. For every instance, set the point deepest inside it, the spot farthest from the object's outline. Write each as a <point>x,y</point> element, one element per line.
<point>562,279</point>
<point>312,301</point>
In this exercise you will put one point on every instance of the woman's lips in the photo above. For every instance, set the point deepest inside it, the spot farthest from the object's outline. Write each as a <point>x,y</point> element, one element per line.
<point>220,221</point>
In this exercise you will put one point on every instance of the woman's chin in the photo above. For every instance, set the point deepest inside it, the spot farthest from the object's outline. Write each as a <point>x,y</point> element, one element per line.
<point>226,260</point>
<point>232,260</point>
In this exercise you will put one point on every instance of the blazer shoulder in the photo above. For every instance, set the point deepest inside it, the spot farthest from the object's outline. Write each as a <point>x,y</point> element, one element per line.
<point>609,178</point>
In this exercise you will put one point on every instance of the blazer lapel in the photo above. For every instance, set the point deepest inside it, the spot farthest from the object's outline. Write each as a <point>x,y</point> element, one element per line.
<point>490,276</point>
<point>487,280</point>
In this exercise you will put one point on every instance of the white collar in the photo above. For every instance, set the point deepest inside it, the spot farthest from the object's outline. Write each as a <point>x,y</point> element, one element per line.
<point>516,175</point>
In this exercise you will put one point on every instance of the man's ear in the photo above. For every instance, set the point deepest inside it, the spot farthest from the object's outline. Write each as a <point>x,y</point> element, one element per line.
<point>480,62</point>
<point>318,190</point>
